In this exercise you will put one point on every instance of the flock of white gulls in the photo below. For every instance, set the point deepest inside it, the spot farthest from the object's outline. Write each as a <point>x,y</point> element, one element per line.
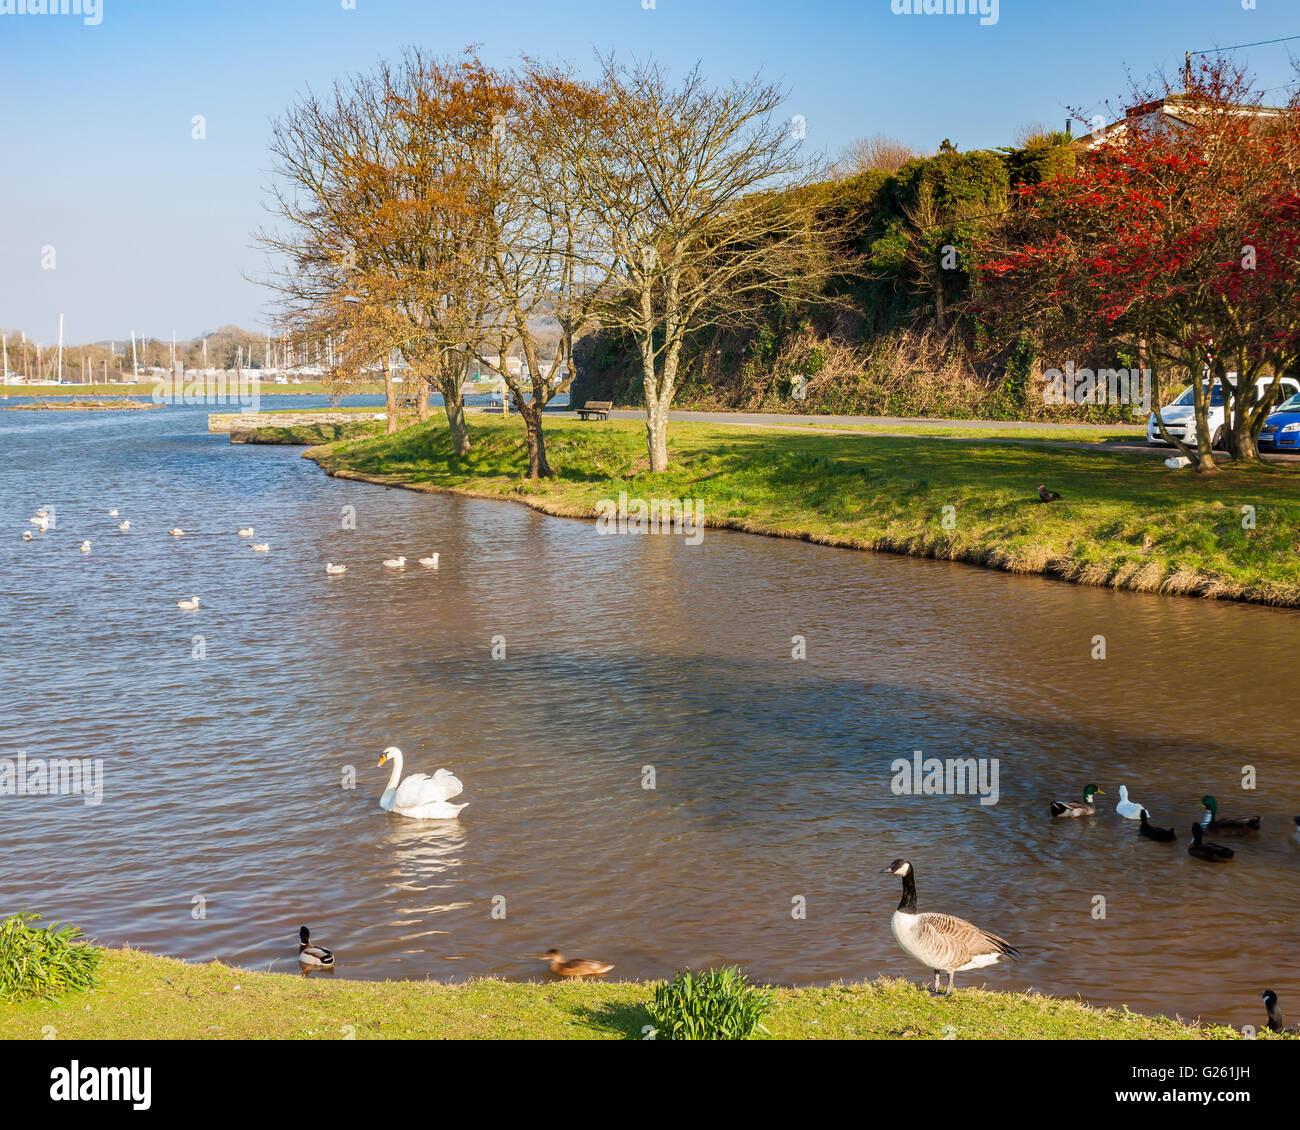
<point>44,522</point>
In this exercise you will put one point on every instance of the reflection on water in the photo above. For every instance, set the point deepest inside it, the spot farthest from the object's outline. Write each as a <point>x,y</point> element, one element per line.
<point>227,778</point>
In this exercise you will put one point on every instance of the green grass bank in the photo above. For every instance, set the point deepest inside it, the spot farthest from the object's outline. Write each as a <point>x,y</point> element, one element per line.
<point>142,996</point>
<point>1125,520</point>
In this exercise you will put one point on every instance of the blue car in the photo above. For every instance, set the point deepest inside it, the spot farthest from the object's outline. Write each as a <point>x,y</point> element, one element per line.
<point>1282,428</point>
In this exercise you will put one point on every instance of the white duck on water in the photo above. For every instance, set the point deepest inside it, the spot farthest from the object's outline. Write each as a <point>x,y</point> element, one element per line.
<point>941,942</point>
<point>420,796</point>
<point>1129,809</point>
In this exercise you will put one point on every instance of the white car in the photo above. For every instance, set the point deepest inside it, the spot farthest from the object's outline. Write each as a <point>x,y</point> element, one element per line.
<point>1180,416</point>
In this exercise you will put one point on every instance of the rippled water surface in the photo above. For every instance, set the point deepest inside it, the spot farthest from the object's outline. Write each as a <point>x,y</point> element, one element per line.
<point>226,777</point>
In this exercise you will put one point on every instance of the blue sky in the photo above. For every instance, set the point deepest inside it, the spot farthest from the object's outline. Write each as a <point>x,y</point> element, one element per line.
<point>151,228</point>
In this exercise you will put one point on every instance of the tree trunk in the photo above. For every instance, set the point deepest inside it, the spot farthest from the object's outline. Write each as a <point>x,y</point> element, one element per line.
<point>422,390</point>
<point>539,467</point>
<point>454,403</point>
<point>390,400</point>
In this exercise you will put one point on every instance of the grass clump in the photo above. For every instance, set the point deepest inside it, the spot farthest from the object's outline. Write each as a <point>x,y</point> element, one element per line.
<point>719,1004</point>
<point>43,963</point>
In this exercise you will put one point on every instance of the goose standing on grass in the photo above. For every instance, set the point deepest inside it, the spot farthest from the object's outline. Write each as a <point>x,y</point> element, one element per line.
<point>420,796</point>
<point>125,525</point>
<point>310,955</point>
<point>1211,853</point>
<point>1129,809</point>
<point>85,547</point>
<point>1069,808</point>
<point>430,560</point>
<point>941,942</point>
<point>1160,835</point>
<point>176,532</point>
<point>246,532</point>
<point>1213,822</point>
<point>396,562</point>
<point>1046,495</point>
<point>261,547</point>
<point>575,967</point>
<point>1275,1021</point>
<point>189,605</point>
<point>335,570</point>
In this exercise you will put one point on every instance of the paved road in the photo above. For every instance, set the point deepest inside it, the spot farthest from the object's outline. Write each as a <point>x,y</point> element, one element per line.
<point>844,425</point>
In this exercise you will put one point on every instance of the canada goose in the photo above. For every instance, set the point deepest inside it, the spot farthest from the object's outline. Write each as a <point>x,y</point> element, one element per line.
<point>941,942</point>
<point>1046,495</point>
<point>335,570</point>
<point>1160,835</point>
<point>1212,853</point>
<point>430,560</point>
<point>188,605</point>
<point>85,547</point>
<point>246,532</point>
<point>176,532</point>
<point>575,967</point>
<point>260,547</point>
<point>1213,822</point>
<point>125,525</point>
<point>1275,1021</point>
<point>27,535</point>
<point>309,954</point>
<point>396,562</point>
<point>1129,809</point>
<point>1076,808</point>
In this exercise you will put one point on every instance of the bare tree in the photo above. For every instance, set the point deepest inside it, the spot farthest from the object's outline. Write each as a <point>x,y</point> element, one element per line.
<point>697,193</point>
<point>877,153</point>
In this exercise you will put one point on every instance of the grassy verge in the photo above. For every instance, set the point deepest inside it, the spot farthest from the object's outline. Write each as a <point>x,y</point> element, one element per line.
<point>1125,520</point>
<point>308,435</point>
<point>141,996</point>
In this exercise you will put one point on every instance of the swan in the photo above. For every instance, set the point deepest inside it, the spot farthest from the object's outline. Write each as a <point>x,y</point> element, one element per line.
<point>310,955</point>
<point>27,535</point>
<point>1129,809</point>
<point>396,562</point>
<point>420,796</point>
<point>85,547</point>
<point>40,522</point>
<point>42,513</point>
<point>335,570</point>
<point>942,942</point>
<point>188,605</point>
<point>112,513</point>
<point>430,560</point>
<point>261,547</point>
<point>176,532</point>
<point>246,532</point>
<point>124,525</point>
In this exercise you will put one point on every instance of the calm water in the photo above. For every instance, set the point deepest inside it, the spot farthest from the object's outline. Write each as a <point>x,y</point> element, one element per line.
<point>225,776</point>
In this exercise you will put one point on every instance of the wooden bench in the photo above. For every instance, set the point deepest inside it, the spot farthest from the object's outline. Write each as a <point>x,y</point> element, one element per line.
<point>598,408</point>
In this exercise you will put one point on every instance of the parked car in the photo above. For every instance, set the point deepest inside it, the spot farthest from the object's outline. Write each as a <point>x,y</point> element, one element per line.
<point>1180,416</point>
<point>1282,428</point>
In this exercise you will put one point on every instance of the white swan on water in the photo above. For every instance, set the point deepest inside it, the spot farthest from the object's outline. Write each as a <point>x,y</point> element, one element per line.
<point>335,570</point>
<point>188,605</point>
<point>124,526</point>
<point>396,562</point>
<point>430,560</point>
<point>176,532</point>
<point>85,547</point>
<point>246,532</point>
<point>261,547</point>
<point>420,796</point>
